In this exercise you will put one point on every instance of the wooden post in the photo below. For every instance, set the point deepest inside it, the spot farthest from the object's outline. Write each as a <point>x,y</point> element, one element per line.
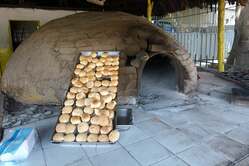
<point>150,4</point>
<point>221,36</point>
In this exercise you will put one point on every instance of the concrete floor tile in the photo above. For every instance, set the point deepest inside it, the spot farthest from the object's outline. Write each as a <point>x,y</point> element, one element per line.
<point>230,148</point>
<point>148,151</point>
<point>239,134</point>
<point>202,155</point>
<point>140,116</point>
<point>100,149</point>
<point>61,155</point>
<point>174,140</point>
<point>132,135</point>
<point>171,161</point>
<point>80,162</point>
<point>35,158</point>
<point>196,132</point>
<point>153,126</point>
<point>45,130</point>
<point>244,162</point>
<point>118,157</point>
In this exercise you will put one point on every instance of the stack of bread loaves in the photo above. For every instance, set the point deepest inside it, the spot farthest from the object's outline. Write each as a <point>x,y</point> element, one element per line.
<point>89,108</point>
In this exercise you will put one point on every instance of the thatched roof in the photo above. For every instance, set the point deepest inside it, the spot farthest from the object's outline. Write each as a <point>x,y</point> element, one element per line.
<point>138,7</point>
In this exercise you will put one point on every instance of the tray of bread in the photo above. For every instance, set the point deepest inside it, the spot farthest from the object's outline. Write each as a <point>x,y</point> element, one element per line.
<point>88,114</point>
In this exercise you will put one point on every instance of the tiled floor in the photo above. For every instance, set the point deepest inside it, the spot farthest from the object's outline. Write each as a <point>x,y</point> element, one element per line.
<point>211,133</point>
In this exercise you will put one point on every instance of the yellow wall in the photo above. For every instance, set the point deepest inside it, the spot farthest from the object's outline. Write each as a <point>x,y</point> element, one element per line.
<point>7,14</point>
<point>5,53</point>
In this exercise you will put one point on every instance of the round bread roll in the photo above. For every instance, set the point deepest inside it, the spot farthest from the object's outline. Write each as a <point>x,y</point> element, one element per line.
<point>82,127</point>
<point>89,58</point>
<point>91,65</point>
<point>83,89</point>
<point>94,96</point>
<point>69,102</point>
<point>93,54</point>
<point>67,109</point>
<point>102,59</point>
<point>114,73</point>
<point>81,137</point>
<point>75,80</point>
<point>85,117</point>
<point>105,83</point>
<point>104,92</point>
<point>110,123</point>
<point>97,84</point>
<point>108,63</point>
<point>70,95</point>
<point>84,62</point>
<point>115,68</point>
<point>77,71</point>
<point>69,137</point>
<point>77,112</point>
<point>58,137</point>
<point>91,73</point>
<point>80,103</point>
<point>94,129</point>
<point>104,55</point>
<point>111,114</point>
<point>115,63</point>
<point>88,69</point>
<point>82,58</point>
<point>95,120</point>
<point>113,89</point>
<point>75,120</point>
<point>103,138</point>
<point>78,84</point>
<point>80,95</point>
<point>79,66</point>
<point>88,102</point>
<point>99,63</point>
<point>60,128</point>
<point>84,79</point>
<point>102,112</point>
<point>113,95</point>
<point>100,68</point>
<point>98,74</point>
<point>97,111</point>
<point>88,110</point>
<point>106,129</point>
<point>111,105</point>
<point>64,118</point>
<point>95,60</point>
<point>91,78</point>
<point>70,128</point>
<point>114,78</point>
<point>94,89</point>
<point>89,84</point>
<point>102,106</point>
<point>73,90</point>
<point>107,98</point>
<point>114,83</point>
<point>114,136</point>
<point>82,73</point>
<point>95,103</point>
<point>103,120</point>
<point>92,138</point>
<point>105,72</point>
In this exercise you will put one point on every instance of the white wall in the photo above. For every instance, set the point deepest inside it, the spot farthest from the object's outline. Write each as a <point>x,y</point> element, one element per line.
<point>41,15</point>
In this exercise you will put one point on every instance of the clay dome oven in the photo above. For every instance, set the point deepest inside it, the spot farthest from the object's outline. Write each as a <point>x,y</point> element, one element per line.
<point>40,69</point>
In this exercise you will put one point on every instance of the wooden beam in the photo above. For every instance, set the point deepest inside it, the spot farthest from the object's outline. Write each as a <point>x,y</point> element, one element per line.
<point>221,36</point>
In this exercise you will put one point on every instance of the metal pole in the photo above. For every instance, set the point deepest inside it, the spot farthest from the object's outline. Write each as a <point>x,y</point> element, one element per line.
<point>150,4</point>
<point>221,37</point>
